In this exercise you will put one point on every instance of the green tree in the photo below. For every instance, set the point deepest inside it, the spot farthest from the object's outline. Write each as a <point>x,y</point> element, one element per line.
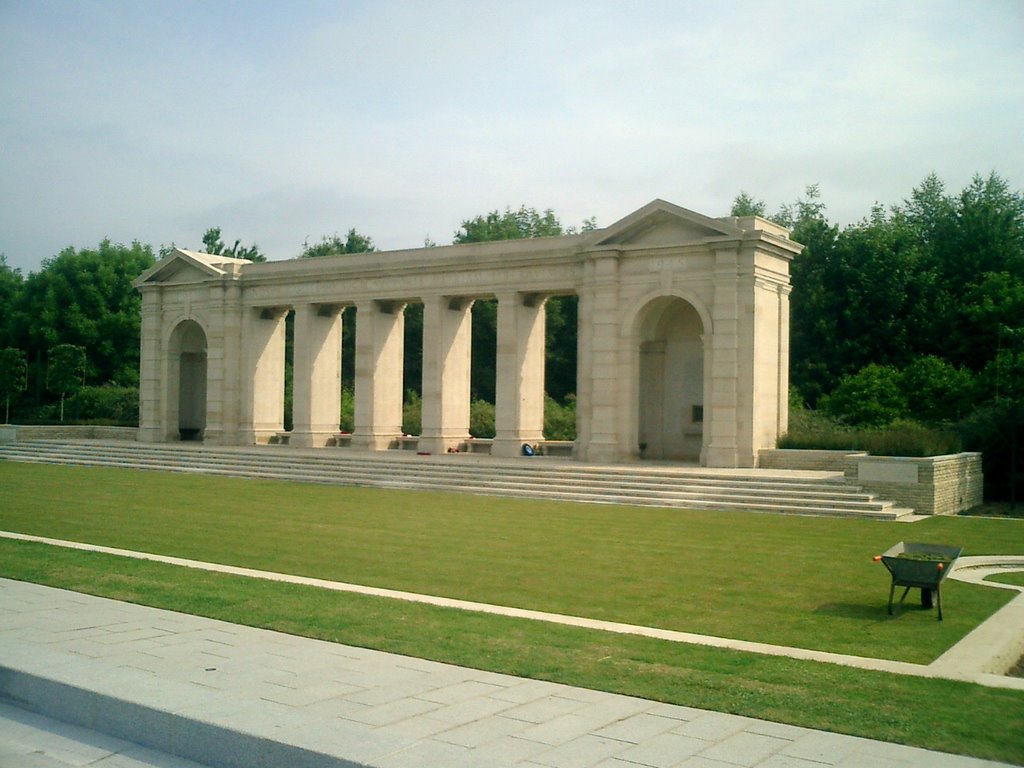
<point>510,225</point>
<point>517,225</point>
<point>560,353</point>
<point>354,242</point>
<point>85,297</point>
<point>972,266</point>
<point>745,205</point>
<point>10,288</point>
<point>212,243</point>
<point>336,246</point>
<point>814,304</point>
<point>937,391</point>
<point>871,397</point>
<point>65,371</point>
<point>13,376</point>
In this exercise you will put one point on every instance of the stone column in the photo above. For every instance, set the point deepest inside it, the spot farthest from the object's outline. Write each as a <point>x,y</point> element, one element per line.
<point>447,337</point>
<point>263,374</point>
<point>380,343</point>
<point>519,388</point>
<point>316,380</point>
<point>782,425</point>
<point>721,450</point>
<point>600,374</point>
<point>152,352</point>
<point>232,363</point>
<point>222,351</point>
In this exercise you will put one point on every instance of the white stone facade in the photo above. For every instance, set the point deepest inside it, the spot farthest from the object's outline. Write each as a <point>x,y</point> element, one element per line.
<point>683,340</point>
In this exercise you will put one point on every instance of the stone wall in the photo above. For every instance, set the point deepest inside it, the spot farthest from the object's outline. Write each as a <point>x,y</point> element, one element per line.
<point>811,461</point>
<point>932,485</point>
<point>73,432</point>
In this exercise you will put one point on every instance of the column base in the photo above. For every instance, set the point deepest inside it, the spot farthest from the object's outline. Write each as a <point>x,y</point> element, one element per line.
<point>311,438</point>
<point>378,442</point>
<point>258,436</point>
<point>150,435</point>
<point>721,457</point>
<point>509,447</point>
<point>442,444</point>
<point>601,453</point>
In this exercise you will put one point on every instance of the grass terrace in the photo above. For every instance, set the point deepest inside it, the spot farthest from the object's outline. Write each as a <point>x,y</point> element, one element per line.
<point>804,582</point>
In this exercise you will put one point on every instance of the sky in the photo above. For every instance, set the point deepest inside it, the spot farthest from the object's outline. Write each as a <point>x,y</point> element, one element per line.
<point>286,122</point>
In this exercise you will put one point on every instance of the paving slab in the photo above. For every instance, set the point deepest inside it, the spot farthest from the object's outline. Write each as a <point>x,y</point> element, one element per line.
<point>270,699</point>
<point>31,740</point>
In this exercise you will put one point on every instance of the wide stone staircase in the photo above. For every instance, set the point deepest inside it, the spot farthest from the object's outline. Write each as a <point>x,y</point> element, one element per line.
<point>641,484</point>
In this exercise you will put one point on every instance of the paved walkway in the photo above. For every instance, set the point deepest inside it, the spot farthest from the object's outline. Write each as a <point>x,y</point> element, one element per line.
<point>233,696</point>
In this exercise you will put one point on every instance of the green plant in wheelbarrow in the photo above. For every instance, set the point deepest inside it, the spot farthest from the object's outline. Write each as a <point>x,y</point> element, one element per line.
<point>920,566</point>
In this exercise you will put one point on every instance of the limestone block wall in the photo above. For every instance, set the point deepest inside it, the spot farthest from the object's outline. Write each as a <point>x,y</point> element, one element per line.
<point>931,485</point>
<point>934,485</point>
<point>71,432</point>
<point>810,460</point>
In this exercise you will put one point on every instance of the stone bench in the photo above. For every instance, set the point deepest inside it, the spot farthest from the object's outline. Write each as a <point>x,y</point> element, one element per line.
<point>556,447</point>
<point>476,445</point>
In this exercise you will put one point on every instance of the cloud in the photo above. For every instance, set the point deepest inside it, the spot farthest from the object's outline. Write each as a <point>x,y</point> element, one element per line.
<point>279,123</point>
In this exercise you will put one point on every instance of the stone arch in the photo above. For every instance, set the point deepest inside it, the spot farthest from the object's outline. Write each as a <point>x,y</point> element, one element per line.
<point>186,379</point>
<point>671,362</point>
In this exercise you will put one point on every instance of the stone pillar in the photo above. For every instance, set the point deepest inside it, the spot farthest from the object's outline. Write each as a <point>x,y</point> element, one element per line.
<point>151,359</point>
<point>222,352</point>
<point>316,393</point>
<point>263,374</point>
<point>447,337</point>
<point>232,363</point>
<point>721,449</point>
<point>600,375</point>
<point>380,343</point>
<point>519,388</point>
<point>782,425</point>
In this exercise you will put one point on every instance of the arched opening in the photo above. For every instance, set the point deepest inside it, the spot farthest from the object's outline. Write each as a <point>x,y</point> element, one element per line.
<point>188,376</point>
<point>671,385</point>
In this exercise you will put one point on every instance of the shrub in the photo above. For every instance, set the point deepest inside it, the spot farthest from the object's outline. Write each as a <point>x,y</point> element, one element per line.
<point>412,414</point>
<point>871,397</point>
<point>812,431</point>
<point>909,438</point>
<point>560,420</point>
<point>997,430</point>
<point>937,392</point>
<point>348,410</point>
<point>108,404</point>
<point>481,418</point>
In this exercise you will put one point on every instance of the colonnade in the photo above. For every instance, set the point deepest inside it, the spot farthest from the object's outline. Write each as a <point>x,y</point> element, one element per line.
<point>683,335</point>
<point>379,395</point>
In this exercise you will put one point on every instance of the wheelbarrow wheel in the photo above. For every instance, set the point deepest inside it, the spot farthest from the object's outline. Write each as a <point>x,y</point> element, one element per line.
<point>926,598</point>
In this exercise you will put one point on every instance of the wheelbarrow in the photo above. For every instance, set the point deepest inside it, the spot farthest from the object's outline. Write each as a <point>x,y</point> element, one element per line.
<point>919,566</point>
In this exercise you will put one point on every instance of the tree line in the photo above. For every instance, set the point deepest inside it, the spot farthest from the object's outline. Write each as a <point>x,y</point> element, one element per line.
<point>915,312</point>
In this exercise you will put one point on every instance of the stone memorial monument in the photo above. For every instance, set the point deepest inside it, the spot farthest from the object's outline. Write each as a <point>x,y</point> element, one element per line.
<point>683,340</point>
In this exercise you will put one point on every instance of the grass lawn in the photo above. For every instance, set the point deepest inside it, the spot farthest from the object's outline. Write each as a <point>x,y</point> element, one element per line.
<point>1016,578</point>
<point>805,582</point>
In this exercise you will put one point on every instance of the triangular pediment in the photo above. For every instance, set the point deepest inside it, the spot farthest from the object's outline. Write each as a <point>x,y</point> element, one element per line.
<point>662,223</point>
<point>181,266</point>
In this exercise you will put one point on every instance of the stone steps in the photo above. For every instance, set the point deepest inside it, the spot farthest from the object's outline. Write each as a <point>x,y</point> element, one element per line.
<point>807,493</point>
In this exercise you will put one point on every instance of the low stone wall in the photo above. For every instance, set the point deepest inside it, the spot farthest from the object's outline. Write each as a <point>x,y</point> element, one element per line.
<point>70,432</point>
<point>816,461</point>
<point>932,485</point>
